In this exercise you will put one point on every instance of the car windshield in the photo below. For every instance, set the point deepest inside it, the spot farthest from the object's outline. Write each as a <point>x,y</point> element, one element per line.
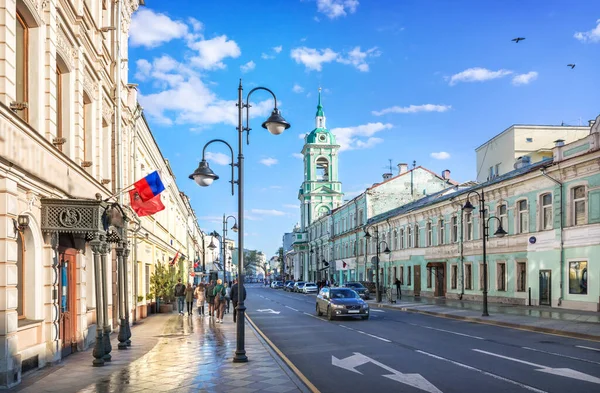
<point>343,294</point>
<point>354,285</point>
<point>300,283</point>
<point>311,284</point>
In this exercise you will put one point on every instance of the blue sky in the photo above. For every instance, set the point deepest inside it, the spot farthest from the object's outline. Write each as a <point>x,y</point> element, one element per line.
<point>404,80</point>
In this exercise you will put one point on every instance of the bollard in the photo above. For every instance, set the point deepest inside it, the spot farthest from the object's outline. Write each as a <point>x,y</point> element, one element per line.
<point>529,296</point>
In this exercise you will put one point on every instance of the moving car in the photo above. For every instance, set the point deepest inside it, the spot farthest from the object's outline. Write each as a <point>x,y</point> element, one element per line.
<point>310,287</point>
<point>298,286</point>
<point>289,285</point>
<point>341,302</point>
<point>274,284</point>
<point>362,291</point>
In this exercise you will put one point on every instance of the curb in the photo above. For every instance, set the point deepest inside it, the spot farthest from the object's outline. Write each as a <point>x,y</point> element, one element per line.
<point>309,387</point>
<point>556,332</point>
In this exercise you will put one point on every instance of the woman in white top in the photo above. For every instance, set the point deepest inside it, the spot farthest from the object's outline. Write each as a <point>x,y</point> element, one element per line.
<point>200,298</point>
<point>227,296</point>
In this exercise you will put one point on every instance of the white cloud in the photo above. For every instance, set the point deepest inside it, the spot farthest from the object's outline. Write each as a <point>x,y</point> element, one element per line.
<point>297,88</point>
<point>212,52</point>
<point>211,218</point>
<point>196,24</point>
<point>150,29</point>
<point>442,155</point>
<point>249,66</point>
<point>278,49</point>
<point>143,69</point>
<point>359,137</point>
<point>271,212</point>
<point>358,59</point>
<point>268,161</point>
<point>218,158</point>
<point>413,109</point>
<point>478,74</point>
<point>298,155</point>
<point>313,58</point>
<point>591,35</point>
<point>336,8</point>
<point>524,79</point>
<point>301,136</point>
<point>290,206</point>
<point>264,56</point>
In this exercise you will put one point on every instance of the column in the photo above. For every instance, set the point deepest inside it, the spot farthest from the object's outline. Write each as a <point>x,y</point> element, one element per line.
<point>105,247</point>
<point>126,290</point>
<point>98,352</point>
<point>122,337</point>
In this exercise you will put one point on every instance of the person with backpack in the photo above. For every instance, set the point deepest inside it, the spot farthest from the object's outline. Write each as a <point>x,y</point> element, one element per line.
<point>219,294</point>
<point>234,297</point>
<point>210,298</point>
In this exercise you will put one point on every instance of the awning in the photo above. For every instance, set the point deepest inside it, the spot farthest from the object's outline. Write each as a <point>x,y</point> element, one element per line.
<point>436,264</point>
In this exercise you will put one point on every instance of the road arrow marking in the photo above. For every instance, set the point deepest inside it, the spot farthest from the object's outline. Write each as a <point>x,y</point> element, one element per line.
<point>269,311</point>
<point>358,359</point>
<point>563,372</point>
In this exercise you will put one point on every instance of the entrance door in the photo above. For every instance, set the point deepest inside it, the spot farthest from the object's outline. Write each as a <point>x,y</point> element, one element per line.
<point>440,277</point>
<point>68,312</point>
<point>417,284</point>
<point>545,288</point>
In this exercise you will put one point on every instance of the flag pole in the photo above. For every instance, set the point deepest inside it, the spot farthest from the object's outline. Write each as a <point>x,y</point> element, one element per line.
<point>124,190</point>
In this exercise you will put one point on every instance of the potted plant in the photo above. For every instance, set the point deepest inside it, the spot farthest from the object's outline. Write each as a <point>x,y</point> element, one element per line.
<point>141,308</point>
<point>150,303</point>
<point>162,284</point>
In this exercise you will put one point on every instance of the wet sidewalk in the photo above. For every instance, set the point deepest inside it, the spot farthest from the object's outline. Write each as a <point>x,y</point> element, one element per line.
<point>572,323</point>
<point>182,354</point>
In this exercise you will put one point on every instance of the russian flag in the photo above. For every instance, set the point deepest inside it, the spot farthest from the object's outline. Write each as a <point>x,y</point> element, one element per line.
<point>149,187</point>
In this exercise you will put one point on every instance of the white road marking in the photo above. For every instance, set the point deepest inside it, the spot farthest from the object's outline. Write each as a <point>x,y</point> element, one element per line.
<point>563,372</point>
<point>531,388</point>
<point>590,348</point>
<point>310,315</point>
<point>377,310</point>
<point>291,308</point>
<point>346,327</point>
<point>561,355</point>
<point>449,331</point>
<point>269,311</point>
<point>374,336</point>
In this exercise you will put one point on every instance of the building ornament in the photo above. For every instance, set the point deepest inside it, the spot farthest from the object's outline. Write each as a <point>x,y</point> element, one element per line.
<point>64,47</point>
<point>89,85</point>
<point>107,112</point>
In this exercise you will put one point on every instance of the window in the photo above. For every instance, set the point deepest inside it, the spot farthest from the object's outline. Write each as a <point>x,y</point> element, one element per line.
<point>402,245</point>
<point>429,235</point>
<point>401,278</point>
<point>360,247</point>
<point>409,276</point>
<point>502,216</point>
<point>579,206</point>
<point>417,236</point>
<point>491,173</point>
<point>22,65</point>
<point>578,278</point>
<point>429,277</point>
<point>322,169</point>
<point>501,276</point>
<point>410,242</point>
<point>360,217</point>
<point>528,140</point>
<point>59,108</point>
<point>87,128</point>
<point>395,240</point>
<point>523,217</point>
<point>546,202</point>
<point>454,277</point>
<point>468,276</point>
<point>442,236</point>
<point>468,226</point>
<point>497,170</point>
<point>521,276</point>
<point>454,233</point>
<point>20,275</point>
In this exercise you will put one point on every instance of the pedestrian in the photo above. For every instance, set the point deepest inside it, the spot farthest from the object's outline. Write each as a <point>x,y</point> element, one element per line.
<point>228,296</point>
<point>398,284</point>
<point>234,297</point>
<point>219,293</point>
<point>179,293</point>
<point>189,298</point>
<point>200,298</point>
<point>210,298</point>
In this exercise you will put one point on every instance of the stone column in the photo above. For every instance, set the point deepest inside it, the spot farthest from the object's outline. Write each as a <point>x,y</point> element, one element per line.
<point>122,337</point>
<point>126,289</point>
<point>98,352</point>
<point>106,327</point>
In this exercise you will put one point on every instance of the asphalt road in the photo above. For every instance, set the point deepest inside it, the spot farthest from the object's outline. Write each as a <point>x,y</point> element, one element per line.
<point>397,351</point>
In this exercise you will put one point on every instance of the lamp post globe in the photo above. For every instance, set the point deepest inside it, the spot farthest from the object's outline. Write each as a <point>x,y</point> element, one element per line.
<point>203,175</point>
<point>276,124</point>
<point>468,207</point>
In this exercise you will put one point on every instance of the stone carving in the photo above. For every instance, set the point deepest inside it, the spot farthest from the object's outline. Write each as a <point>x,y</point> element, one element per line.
<point>64,47</point>
<point>89,84</point>
<point>107,112</point>
<point>69,218</point>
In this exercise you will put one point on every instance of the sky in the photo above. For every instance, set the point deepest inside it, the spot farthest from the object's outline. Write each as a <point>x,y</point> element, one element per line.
<point>425,81</point>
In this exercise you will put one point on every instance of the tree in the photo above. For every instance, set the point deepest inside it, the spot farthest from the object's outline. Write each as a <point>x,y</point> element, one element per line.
<point>280,254</point>
<point>163,280</point>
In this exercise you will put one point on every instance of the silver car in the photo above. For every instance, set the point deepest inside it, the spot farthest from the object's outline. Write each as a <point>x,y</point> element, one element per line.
<point>310,287</point>
<point>341,302</point>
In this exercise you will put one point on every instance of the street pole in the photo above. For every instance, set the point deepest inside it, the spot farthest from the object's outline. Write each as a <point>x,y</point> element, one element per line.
<point>223,245</point>
<point>377,289</point>
<point>485,270</point>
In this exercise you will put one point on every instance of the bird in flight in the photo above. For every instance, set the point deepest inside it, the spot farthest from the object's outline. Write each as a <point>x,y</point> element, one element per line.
<point>571,65</point>
<point>516,40</point>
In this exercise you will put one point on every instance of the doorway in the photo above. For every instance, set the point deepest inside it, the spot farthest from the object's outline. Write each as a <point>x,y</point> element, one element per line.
<point>440,280</point>
<point>417,285</point>
<point>545,287</point>
<point>66,296</point>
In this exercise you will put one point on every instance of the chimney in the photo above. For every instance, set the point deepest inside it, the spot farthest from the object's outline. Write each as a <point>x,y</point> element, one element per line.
<point>387,176</point>
<point>402,168</point>
<point>559,142</point>
<point>446,174</point>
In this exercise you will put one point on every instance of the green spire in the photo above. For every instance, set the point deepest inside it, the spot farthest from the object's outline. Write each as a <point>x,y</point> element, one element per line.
<point>319,106</point>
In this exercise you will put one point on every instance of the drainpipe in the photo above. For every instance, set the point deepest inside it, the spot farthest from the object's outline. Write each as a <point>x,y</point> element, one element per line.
<point>562,226</point>
<point>136,116</point>
<point>461,249</point>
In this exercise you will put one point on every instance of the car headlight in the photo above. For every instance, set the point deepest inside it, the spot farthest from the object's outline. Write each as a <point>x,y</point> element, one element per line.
<point>337,305</point>
<point>365,306</point>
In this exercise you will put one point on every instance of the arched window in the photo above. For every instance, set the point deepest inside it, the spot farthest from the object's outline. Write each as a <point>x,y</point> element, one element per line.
<point>86,132</point>
<point>402,244</point>
<point>410,240</point>
<point>22,65</point>
<point>21,275</point>
<point>395,240</point>
<point>417,236</point>
<point>322,169</point>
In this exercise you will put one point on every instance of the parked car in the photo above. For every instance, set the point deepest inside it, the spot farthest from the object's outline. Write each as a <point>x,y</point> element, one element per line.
<point>362,291</point>
<point>341,302</point>
<point>310,287</point>
<point>289,285</point>
<point>299,286</point>
<point>274,284</point>
<point>279,285</point>
<point>369,285</point>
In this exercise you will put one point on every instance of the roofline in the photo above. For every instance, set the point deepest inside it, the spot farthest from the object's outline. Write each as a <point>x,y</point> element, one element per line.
<point>450,181</point>
<point>528,126</point>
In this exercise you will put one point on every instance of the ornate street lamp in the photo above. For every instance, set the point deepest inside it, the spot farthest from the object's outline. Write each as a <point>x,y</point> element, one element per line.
<point>204,176</point>
<point>386,251</point>
<point>234,228</point>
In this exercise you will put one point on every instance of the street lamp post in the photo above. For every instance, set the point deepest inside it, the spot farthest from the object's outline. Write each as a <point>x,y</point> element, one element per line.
<point>204,176</point>
<point>500,232</point>
<point>386,251</point>
<point>233,228</point>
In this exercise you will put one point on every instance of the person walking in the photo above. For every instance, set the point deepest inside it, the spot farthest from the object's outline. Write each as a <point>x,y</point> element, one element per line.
<point>200,298</point>
<point>179,293</point>
<point>210,298</point>
<point>234,297</point>
<point>398,284</point>
<point>189,298</point>
<point>228,296</point>
<point>219,293</point>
